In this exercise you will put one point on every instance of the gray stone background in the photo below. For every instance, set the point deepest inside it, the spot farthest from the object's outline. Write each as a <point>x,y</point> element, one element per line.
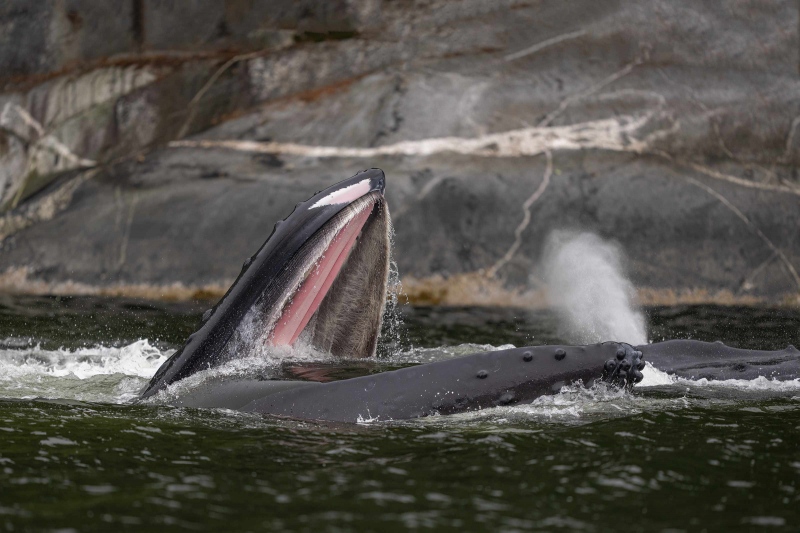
<point>147,147</point>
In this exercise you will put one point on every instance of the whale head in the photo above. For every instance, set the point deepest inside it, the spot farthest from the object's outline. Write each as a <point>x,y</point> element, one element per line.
<point>320,276</point>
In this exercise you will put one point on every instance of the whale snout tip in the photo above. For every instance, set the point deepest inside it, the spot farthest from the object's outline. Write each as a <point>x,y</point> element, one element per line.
<point>377,180</point>
<point>624,370</point>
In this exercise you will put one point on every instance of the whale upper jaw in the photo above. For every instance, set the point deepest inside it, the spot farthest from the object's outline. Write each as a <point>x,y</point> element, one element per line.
<point>321,277</point>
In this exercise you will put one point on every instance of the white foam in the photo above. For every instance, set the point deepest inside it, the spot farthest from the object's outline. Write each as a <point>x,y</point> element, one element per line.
<point>759,384</point>
<point>100,373</point>
<point>654,377</point>
<point>572,404</point>
<point>137,359</point>
<point>574,401</point>
<point>118,374</point>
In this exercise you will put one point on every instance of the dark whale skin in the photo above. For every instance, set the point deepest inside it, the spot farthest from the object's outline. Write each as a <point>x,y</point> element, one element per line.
<point>468,383</point>
<point>204,347</point>
<point>715,361</point>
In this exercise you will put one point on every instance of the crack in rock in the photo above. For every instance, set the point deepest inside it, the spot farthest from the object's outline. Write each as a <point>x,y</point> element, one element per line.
<point>526,218</point>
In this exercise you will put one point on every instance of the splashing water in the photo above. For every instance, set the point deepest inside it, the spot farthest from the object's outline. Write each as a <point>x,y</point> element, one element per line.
<point>392,330</point>
<point>112,374</point>
<point>97,374</point>
<point>588,289</point>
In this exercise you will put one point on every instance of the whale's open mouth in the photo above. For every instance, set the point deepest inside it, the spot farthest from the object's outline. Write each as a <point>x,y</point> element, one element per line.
<point>320,277</point>
<point>332,292</point>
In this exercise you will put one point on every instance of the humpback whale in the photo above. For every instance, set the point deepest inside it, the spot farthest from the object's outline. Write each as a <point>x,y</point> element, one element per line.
<point>321,277</point>
<point>322,274</point>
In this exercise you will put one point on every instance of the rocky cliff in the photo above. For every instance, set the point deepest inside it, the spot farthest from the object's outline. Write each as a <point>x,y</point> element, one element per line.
<point>147,147</point>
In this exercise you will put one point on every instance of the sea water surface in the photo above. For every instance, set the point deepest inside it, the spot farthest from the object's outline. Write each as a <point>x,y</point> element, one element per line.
<point>77,455</point>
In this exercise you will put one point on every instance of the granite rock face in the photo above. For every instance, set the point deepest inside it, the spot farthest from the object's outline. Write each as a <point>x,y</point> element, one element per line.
<point>165,155</point>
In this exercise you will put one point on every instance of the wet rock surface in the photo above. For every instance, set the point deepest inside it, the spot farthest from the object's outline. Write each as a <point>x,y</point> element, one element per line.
<point>669,127</point>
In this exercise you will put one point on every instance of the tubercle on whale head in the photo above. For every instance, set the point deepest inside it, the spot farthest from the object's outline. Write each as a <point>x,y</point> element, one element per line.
<point>625,369</point>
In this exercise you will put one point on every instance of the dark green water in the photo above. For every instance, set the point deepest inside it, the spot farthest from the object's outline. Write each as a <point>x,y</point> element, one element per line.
<point>676,456</point>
